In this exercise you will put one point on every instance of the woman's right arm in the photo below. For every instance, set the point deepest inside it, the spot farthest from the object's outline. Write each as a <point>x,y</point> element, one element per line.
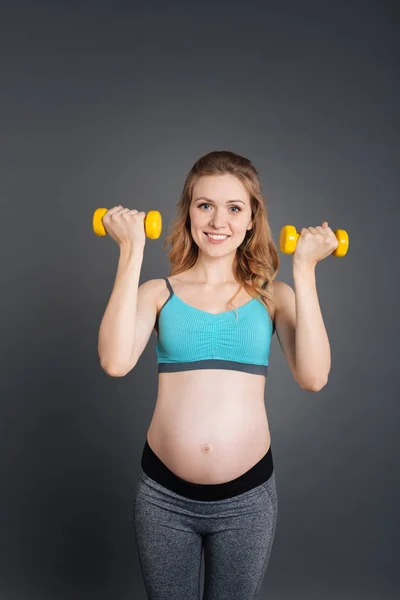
<point>117,328</point>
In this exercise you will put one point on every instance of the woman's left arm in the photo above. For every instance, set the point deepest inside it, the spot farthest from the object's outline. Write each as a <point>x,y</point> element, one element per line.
<point>299,324</point>
<point>312,349</point>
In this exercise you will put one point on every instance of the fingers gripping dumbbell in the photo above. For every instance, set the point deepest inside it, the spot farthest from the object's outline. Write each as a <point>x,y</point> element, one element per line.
<point>152,223</point>
<point>289,236</point>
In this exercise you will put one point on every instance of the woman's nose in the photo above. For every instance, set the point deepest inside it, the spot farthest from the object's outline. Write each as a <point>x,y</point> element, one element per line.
<point>218,221</point>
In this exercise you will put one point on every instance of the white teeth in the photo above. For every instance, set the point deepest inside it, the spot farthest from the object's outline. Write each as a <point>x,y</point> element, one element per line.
<point>217,237</point>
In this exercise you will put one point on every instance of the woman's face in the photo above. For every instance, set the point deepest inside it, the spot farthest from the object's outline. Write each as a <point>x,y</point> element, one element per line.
<point>221,205</point>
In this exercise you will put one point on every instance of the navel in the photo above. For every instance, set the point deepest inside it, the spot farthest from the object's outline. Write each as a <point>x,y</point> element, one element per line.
<point>207,448</point>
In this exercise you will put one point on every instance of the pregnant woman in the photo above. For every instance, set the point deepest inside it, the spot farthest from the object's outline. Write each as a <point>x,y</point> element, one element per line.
<point>207,480</point>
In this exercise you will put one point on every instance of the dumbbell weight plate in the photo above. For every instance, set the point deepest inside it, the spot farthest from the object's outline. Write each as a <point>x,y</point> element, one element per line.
<point>343,239</point>
<point>288,239</point>
<point>153,224</point>
<point>98,226</point>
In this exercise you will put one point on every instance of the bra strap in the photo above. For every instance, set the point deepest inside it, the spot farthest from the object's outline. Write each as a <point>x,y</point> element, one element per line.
<point>171,291</point>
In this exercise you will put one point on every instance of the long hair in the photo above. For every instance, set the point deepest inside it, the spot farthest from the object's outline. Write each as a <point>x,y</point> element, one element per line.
<point>257,258</point>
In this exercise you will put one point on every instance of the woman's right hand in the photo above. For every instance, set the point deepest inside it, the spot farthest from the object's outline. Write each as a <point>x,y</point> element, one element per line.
<point>126,226</point>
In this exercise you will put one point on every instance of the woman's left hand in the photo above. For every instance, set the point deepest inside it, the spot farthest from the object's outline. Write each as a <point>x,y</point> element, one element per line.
<point>315,244</point>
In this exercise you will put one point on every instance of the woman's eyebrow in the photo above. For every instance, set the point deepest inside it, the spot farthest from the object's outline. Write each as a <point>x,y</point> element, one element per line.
<point>209,200</point>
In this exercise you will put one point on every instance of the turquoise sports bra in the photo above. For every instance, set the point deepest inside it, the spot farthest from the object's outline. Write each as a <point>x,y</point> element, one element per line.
<point>190,338</point>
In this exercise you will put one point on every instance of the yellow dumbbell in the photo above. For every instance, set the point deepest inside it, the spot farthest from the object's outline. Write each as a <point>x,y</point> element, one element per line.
<point>289,236</point>
<point>152,223</point>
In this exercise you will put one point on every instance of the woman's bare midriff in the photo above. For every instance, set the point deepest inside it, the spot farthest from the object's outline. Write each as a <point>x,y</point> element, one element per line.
<point>209,425</point>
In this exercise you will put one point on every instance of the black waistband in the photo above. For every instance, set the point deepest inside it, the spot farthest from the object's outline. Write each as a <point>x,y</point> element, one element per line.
<point>212,363</point>
<point>159,472</point>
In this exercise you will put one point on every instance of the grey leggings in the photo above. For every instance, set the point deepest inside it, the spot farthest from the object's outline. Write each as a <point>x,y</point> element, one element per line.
<point>236,534</point>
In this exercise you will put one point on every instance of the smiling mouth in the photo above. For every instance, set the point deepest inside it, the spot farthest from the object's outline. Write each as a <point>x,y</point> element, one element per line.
<point>223,235</point>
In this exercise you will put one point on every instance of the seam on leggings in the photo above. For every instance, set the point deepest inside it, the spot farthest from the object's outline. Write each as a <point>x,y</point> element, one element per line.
<point>260,579</point>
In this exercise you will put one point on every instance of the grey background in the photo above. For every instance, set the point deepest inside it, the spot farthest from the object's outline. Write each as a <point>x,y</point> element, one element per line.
<point>106,103</point>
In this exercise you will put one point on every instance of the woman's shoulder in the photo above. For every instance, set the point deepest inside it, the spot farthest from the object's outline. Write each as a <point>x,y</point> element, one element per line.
<point>154,289</point>
<point>282,293</point>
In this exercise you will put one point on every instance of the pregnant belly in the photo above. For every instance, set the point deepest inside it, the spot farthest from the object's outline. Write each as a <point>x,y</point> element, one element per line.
<point>210,442</point>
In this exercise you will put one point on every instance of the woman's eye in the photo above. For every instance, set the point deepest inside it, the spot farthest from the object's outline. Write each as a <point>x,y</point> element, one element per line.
<point>206,204</point>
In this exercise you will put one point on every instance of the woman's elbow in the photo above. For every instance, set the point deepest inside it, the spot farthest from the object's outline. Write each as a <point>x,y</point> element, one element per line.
<point>116,371</point>
<point>315,386</point>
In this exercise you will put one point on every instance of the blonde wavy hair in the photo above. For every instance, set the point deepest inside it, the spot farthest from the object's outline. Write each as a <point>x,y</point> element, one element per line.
<point>257,258</point>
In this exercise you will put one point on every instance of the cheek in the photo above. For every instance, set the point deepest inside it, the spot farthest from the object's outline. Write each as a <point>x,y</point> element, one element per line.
<point>240,226</point>
<point>195,215</point>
